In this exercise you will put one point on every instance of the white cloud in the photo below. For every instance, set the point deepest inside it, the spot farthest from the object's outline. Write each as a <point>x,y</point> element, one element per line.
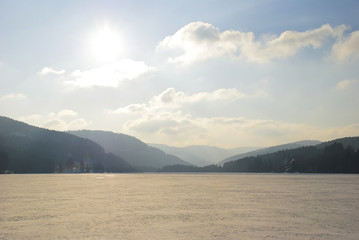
<point>54,124</point>
<point>169,117</point>
<point>346,83</point>
<point>13,96</point>
<point>50,70</point>
<point>199,41</point>
<point>66,112</point>
<point>178,128</point>
<point>77,124</point>
<point>62,121</point>
<point>60,124</point>
<point>172,99</point>
<point>347,47</point>
<point>132,108</point>
<point>110,75</point>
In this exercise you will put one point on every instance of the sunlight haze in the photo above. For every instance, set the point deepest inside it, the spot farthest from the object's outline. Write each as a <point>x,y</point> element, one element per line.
<point>220,73</point>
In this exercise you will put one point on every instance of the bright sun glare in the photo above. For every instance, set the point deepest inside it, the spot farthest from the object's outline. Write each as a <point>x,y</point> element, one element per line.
<point>105,44</point>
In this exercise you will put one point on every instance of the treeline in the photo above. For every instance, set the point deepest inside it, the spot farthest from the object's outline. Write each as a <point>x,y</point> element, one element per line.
<point>333,158</point>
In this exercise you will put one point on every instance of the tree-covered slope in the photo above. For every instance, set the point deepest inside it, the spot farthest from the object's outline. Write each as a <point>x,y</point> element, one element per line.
<point>333,158</point>
<point>270,150</point>
<point>337,156</point>
<point>28,149</point>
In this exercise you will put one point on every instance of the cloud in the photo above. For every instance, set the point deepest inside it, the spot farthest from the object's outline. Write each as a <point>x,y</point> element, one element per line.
<point>54,124</point>
<point>66,112</point>
<point>346,83</point>
<point>64,120</point>
<point>172,99</point>
<point>178,128</point>
<point>13,96</point>
<point>170,117</point>
<point>50,70</point>
<point>175,98</point>
<point>200,41</point>
<point>347,48</point>
<point>60,124</point>
<point>132,108</point>
<point>110,75</point>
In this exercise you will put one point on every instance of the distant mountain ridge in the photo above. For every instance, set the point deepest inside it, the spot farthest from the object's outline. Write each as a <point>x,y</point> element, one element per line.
<point>336,156</point>
<point>271,150</point>
<point>29,149</point>
<point>133,150</point>
<point>201,155</point>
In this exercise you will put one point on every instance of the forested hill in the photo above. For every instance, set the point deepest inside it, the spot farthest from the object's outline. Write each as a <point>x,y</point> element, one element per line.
<point>28,149</point>
<point>271,150</point>
<point>348,141</point>
<point>131,149</point>
<point>337,156</point>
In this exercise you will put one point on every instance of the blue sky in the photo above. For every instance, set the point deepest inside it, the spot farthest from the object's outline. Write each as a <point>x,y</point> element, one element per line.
<point>223,73</point>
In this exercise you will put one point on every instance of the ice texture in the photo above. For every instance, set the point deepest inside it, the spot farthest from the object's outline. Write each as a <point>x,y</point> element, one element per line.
<point>179,206</point>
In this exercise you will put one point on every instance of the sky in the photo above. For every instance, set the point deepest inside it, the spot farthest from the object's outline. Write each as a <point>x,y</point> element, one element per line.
<point>220,73</point>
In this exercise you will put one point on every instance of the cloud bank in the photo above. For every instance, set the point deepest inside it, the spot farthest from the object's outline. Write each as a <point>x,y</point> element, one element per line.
<point>200,41</point>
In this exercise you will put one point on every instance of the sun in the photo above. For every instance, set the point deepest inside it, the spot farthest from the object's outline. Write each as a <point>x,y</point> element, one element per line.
<point>105,44</point>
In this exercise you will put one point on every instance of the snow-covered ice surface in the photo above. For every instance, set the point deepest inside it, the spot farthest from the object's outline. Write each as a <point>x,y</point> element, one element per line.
<point>179,206</point>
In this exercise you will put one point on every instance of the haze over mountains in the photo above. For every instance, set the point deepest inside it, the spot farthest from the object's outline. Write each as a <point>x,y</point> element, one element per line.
<point>201,155</point>
<point>133,150</point>
<point>28,149</point>
<point>336,156</point>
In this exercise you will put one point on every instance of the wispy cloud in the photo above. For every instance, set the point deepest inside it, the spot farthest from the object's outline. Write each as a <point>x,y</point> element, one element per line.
<point>50,70</point>
<point>110,75</point>
<point>63,120</point>
<point>62,125</point>
<point>199,41</point>
<point>13,96</point>
<point>67,112</point>
<point>173,99</point>
<point>346,83</point>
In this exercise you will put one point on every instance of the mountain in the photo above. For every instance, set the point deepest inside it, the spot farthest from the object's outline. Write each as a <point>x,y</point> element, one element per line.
<point>134,151</point>
<point>28,149</point>
<point>270,150</point>
<point>337,156</point>
<point>201,155</point>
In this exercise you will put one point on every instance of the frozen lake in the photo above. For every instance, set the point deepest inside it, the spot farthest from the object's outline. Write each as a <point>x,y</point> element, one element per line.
<point>179,206</point>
